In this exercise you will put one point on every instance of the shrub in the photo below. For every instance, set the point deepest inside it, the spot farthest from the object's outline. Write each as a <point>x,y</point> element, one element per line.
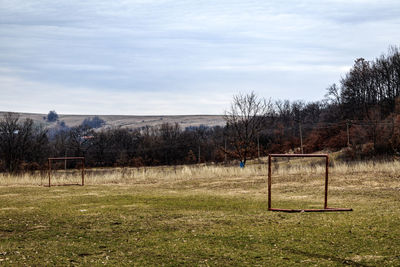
<point>52,116</point>
<point>190,157</point>
<point>137,162</point>
<point>94,122</point>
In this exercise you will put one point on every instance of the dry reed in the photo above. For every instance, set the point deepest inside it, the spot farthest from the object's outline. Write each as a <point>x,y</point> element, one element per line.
<point>166,174</point>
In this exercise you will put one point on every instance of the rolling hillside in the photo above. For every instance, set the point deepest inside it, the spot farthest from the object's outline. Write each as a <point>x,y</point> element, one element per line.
<point>128,121</point>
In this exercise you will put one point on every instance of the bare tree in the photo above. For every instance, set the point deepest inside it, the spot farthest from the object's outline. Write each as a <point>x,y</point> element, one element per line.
<point>244,121</point>
<point>80,139</point>
<point>20,142</point>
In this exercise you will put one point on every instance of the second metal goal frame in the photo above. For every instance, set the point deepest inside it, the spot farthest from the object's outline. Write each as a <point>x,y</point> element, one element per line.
<point>82,159</point>
<point>326,208</point>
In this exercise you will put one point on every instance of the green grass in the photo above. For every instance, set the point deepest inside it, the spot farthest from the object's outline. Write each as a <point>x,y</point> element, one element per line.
<point>183,223</point>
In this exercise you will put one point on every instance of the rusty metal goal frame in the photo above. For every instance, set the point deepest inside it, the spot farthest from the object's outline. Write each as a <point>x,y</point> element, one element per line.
<point>82,159</point>
<point>326,208</point>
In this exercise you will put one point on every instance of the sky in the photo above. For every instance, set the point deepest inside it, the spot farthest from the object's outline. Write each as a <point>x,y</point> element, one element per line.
<point>175,57</point>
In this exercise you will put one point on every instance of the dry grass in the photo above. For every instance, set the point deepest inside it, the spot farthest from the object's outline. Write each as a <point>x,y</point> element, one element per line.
<point>292,180</point>
<point>212,177</point>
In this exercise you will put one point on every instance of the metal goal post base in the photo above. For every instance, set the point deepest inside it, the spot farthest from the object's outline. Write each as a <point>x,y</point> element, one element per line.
<point>311,210</point>
<point>325,209</point>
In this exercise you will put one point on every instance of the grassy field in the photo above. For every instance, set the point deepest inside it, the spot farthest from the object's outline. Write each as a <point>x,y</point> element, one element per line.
<point>204,216</point>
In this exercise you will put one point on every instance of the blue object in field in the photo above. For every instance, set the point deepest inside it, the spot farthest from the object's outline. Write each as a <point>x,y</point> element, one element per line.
<point>241,165</point>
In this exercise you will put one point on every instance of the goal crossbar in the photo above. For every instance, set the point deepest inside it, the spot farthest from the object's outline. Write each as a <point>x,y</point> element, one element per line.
<point>326,208</point>
<point>82,159</point>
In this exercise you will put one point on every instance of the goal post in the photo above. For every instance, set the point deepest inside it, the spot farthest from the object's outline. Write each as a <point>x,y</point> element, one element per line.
<point>81,159</point>
<point>326,208</point>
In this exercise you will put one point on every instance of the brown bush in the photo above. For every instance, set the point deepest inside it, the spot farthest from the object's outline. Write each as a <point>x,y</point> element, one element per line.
<point>137,162</point>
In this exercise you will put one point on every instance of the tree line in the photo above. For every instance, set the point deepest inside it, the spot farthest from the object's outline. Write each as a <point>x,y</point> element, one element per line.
<point>361,113</point>
<point>25,146</point>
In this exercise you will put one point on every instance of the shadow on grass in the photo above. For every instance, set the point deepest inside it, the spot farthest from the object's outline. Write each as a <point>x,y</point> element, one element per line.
<point>326,257</point>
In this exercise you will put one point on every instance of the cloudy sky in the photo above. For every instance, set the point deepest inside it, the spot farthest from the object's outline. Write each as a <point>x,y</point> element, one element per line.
<point>165,57</point>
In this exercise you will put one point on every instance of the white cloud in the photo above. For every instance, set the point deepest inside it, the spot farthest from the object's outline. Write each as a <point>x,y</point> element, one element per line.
<point>160,49</point>
<point>28,96</point>
<point>280,67</point>
<point>80,67</point>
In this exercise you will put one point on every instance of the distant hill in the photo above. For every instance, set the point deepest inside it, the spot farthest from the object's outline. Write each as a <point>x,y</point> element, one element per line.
<point>127,121</point>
